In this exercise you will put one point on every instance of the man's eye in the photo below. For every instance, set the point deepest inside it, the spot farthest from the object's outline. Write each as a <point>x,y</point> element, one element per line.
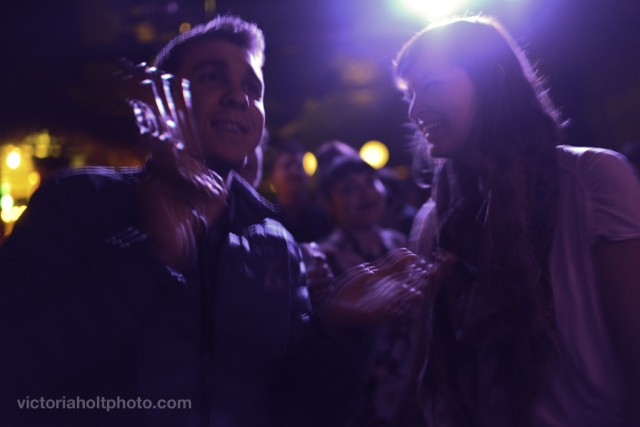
<point>209,77</point>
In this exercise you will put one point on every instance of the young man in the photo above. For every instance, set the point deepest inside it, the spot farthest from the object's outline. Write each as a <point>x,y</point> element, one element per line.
<point>167,296</point>
<point>299,213</point>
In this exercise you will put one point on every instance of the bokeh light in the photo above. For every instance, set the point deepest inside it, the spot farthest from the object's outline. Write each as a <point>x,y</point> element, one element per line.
<point>173,7</point>
<point>12,215</point>
<point>145,33</point>
<point>375,153</point>
<point>13,159</point>
<point>6,202</point>
<point>209,6</point>
<point>33,178</point>
<point>309,163</point>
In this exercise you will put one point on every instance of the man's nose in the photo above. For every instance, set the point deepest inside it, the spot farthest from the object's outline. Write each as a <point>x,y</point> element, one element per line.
<point>235,97</point>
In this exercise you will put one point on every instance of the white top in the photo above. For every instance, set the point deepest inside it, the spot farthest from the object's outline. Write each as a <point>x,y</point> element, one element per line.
<point>598,198</point>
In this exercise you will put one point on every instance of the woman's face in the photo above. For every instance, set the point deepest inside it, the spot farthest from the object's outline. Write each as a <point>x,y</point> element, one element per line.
<point>443,105</point>
<point>357,200</point>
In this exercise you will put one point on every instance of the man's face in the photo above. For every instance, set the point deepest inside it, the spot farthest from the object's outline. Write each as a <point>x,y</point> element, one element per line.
<point>227,91</point>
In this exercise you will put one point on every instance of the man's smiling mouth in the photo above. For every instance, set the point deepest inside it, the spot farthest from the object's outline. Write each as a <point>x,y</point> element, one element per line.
<point>228,126</point>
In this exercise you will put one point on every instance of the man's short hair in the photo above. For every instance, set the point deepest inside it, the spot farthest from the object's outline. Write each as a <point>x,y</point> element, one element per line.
<point>337,169</point>
<point>229,28</point>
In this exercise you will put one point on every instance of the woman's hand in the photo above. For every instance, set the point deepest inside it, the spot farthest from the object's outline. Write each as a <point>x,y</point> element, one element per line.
<point>373,293</point>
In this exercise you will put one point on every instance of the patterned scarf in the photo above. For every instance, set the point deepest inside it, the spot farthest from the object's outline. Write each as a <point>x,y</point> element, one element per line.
<point>491,326</point>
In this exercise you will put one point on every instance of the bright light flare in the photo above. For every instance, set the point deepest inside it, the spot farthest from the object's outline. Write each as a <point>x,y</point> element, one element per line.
<point>434,9</point>
<point>13,159</point>
<point>309,163</point>
<point>12,215</point>
<point>6,202</point>
<point>375,153</point>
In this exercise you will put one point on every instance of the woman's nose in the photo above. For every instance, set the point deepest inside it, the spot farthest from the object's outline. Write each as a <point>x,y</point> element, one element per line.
<point>415,110</point>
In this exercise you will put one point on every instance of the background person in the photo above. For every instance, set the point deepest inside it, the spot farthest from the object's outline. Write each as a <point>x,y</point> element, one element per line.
<point>354,196</point>
<point>353,193</point>
<point>298,211</point>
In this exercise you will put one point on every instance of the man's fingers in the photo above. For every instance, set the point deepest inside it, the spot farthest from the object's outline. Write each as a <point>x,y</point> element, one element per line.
<point>184,117</point>
<point>161,104</point>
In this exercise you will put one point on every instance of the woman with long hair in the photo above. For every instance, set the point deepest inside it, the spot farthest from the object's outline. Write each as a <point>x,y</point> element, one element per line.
<point>536,323</point>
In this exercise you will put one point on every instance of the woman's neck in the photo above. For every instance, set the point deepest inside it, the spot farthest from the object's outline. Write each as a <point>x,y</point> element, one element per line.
<point>464,173</point>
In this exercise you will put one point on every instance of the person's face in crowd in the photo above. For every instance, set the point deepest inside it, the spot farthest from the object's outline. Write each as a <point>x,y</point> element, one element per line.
<point>443,105</point>
<point>288,176</point>
<point>227,90</point>
<point>357,200</point>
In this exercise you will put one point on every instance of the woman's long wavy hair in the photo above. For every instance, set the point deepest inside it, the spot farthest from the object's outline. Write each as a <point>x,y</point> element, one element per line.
<point>516,113</point>
<point>517,128</point>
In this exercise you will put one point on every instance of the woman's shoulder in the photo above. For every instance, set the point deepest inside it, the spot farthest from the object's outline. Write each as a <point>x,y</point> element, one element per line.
<point>596,168</point>
<point>584,158</point>
<point>609,188</point>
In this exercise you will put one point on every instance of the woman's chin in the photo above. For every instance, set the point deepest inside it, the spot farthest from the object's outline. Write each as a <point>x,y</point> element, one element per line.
<point>435,153</point>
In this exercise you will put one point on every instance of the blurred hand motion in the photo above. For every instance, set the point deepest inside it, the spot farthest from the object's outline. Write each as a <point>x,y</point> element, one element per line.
<point>178,195</point>
<point>373,293</point>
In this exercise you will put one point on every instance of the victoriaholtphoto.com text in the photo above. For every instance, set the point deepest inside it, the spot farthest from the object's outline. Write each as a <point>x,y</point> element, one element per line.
<point>100,403</point>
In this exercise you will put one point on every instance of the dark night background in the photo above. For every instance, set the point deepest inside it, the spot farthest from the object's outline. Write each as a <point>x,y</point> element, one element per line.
<point>327,71</point>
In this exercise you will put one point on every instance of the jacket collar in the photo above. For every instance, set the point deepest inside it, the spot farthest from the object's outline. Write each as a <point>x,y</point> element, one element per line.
<point>246,206</point>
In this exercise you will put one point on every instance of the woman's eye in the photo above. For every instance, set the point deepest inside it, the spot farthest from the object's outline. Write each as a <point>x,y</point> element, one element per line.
<point>430,85</point>
<point>407,96</point>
